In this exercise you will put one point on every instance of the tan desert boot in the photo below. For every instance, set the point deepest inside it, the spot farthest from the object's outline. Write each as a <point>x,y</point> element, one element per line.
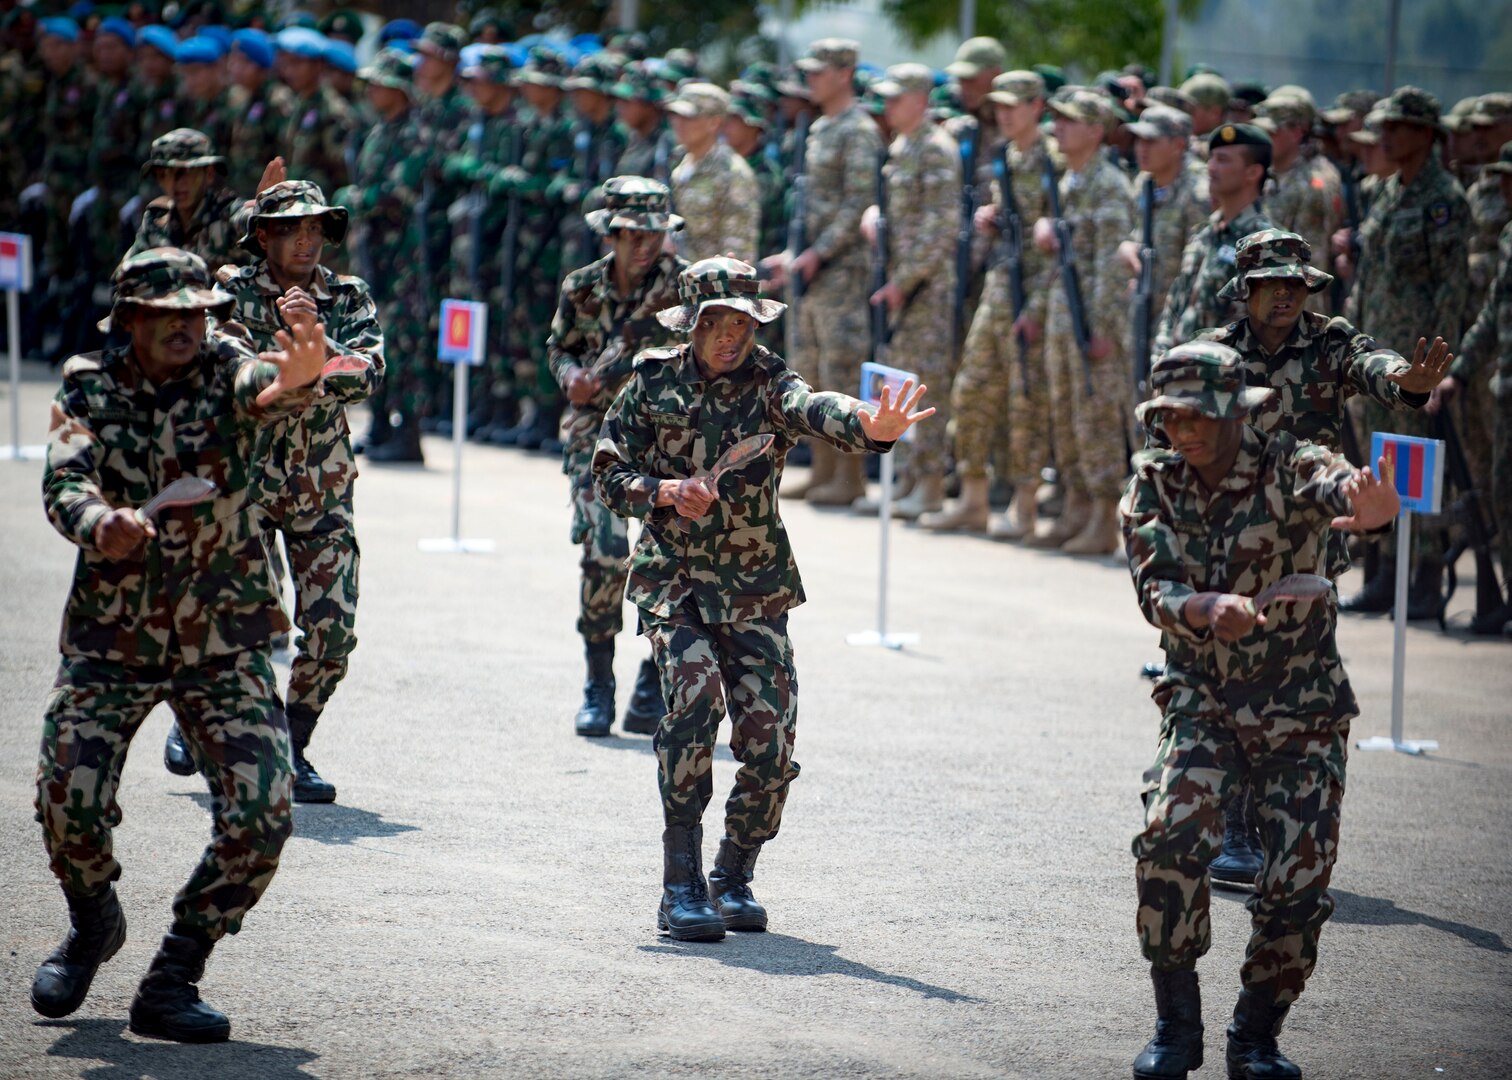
<point>1018,520</point>
<point>1101,535</point>
<point>969,512</point>
<point>927,497</point>
<point>846,485</point>
<point>821,472</point>
<point>1073,519</point>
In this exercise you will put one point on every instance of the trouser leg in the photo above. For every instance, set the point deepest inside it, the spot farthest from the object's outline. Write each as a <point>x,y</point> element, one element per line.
<point>323,561</point>
<point>761,686</point>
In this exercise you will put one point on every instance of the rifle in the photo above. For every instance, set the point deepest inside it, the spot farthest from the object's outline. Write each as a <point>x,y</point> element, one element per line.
<point>1144,292</point>
<point>880,254</point>
<point>1475,532</point>
<point>796,241</point>
<point>1070,282</point>
<point>969,149</point>
<point>1011,226</point>
<point>422,240</point>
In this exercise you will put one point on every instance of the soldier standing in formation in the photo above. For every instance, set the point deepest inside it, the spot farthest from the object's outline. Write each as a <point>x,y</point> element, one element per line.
<point>1304,195</point>
<point>713,188</point>
<point>747,131</point>
<point>260,109</point>
<point>638,103</point>
<point>202,89</point>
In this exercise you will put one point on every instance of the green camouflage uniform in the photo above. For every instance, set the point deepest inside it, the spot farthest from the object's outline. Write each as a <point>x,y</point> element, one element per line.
<point>314,146</point>
<point>215,118</point>
<point>211,233</point>
<point>259,125</point>
<point>771,186</point>
<point>23,92</point>
<point>1181,208</point>
<point>159,105</point>
<point>1276,704</point>
<point>113,165</point>
<point>67,126</point>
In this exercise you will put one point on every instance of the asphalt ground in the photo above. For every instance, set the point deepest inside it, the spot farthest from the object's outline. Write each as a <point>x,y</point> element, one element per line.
<point>952,893</point>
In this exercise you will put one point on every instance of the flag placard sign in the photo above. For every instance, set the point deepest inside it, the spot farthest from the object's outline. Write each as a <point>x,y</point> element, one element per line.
<point>875,376</point>
<point>1414,466</point>
<point>15,262</point>
<point>464,328</point>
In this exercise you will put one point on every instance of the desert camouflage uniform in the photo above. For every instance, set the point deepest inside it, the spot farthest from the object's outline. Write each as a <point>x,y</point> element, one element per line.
<point>602,332</point>
<point>720,203</point>
<point>1207,263</point>
<point>1181,208</point>
<point>1305,199</point>
<point>259,126</point>
<point>714,592</point>
<point>211,234</point>
<point>979,146</point>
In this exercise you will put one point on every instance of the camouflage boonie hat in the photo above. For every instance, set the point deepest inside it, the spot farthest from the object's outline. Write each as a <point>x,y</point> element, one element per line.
<point>763,77</point>
<point>442,40</point>
<point>830,52</point>
<point>294,199</point>
<point>636,83</point>
<point>746,107</point>
<point>1410,105</point>
<point>1456,119</point>
<point>1370,131</point>
<point>1272,253</point>
<point>699,99</point>
<point>718,282</point>
<point>1207,89</point>
<point>1492,109</point>
<point>181,148</point>
<point>1162,122</point>
<point>905,79</point>
<point>1017,87</point>
<point>1207,376</point>
<point>1172,98</point>
<point>1284,111</point>
<point>1349,104</point>
<point>491,63</point>
<point>634,202</point>
<point>680,64</point>
<point>976,55</point>
<point>392,68</point>
<point>1086,106</point>
<point>165,277</point>
<point>1503,162</point>
<point>544,67</point>
<point>597,73</point>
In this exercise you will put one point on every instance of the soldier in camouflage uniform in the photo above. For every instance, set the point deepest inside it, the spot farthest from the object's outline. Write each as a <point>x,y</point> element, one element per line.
<point>156,89</point>
<point>598,141</point>
<point>113,154</point>
<point>67,123</point>
<point>1304,194</point>
<point>1210,95</point>
<point>178,607</point>
<point>714,576</point>
<point>195,211</point>
<point>713,188</point>
<point>840,162</point>
<point>1088,419</point>
<point>638,102</point>
<point>606,315</point>
<point>992,381</point>
<point>203,103</point>
<point>260,109</point>
<point>746,131</point>
<point>1411,282</point>
<point>1207,525</point>
<point>320,120</point>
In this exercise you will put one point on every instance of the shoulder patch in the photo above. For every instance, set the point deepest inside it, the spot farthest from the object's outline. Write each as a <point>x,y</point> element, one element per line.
<point>1438,213</point>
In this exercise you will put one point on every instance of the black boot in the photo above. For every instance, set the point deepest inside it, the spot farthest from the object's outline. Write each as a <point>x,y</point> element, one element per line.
<point>1380,586</point>
<point>378,432</point>
<point>1241,859</point>
<point>167,1003</point>
<point>548,421</point>
<point>403,446</point>
<point>96,933</point>
<point>309,787</point>
<point>1425,596</point>
<point>644,712</point>
<point>1176,1048</point>
<point>730,887</point>
<point>1252,1051</point>
<point>596,716</point>
<point>176,754</point>
<point>685,911</point>
<point>525,420</point>
<point>501,417</point>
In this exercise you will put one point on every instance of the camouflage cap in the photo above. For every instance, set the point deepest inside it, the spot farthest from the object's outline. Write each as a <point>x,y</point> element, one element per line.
<point>442,40</point>
<point>1172,98</point>
<point>1207,376</point>
<point>1284,110</point>
<point>1208,90</point>
<point>1410,105</point>
<point>544,66</point>
<point>1085,106</point>
<point>830,52</point>
<point>181,148</point>
<point>1297,91</point>
<point>1349,104</point>
<point>1017,87</point>
<point>760,73</point>
<point>1503,162</point>
<point>391,67</point>
<point>1492,109</point>
<point>597,72</point>
<point>718,282</point>
<point>746,107</point>
<point>905,79</point>
<point>1162,122</point>
<point>975,56</point>
<point>294,199</point>
<point>679,64</point>
<point>699,99</point>
<point>1272,253</point>
<point>342,24</point>
<point>637,83</point>
<point>1370,131</point>
<point>165,277</point>
<point>634,202</point>
<point>490,63</point>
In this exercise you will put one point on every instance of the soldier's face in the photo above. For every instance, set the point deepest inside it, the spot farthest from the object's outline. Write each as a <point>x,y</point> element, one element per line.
<point>722,339</point>
<point>905,112</point>
<point>155,66</point>
<point>302,73</point>
<point>1017,121</point>
<point>57,53</point>
<point>199,81</point>
<point>293,246</point>
<point>1401,141</point>
<point>1276,302</point>
<point>242,71</point>
<point>696,133</point>
<point>163,339</point>
<point>111,54</point>
<point>387,100</point>
<point>1076,136</point>
<point>434,74</point>
<point>827,83</point>
<point>1202,440</point>
<point>974,89</point>
<point>184,186</point>
<point>1230,169</point>
<point>1160,155</point>
<point>742,137</point>
<point>542,99</point>
<point>640,115</point>
<point>636,250</point>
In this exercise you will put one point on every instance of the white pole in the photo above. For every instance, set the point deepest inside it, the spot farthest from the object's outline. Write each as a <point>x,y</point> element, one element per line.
<point>13,324</point>
<point>785,21</point>
<point>459,433</point>
<point>1399,618</point>
<point>885,512</point>
<point>968,19</point>
<point>1168,42</point>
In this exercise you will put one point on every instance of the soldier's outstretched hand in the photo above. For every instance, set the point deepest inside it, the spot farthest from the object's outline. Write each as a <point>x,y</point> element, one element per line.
<point>1429,366</point>
<point>299,359</point>
<point>275,172</point>
<point>893,417</point>
<point>1375,501</point>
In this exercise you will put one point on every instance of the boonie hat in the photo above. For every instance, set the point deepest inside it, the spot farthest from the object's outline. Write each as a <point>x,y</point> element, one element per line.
<point>181,148</point>
<point>634,202</point>
<point>165,277</point>
<point>1207,376</point>
<point>294,199</point>
<point>442,40</point>
<point>1272,253</point>
<point>392,67</point>
<point>718,282</point>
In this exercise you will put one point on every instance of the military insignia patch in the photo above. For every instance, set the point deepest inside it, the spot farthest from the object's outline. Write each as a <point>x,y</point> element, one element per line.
<point>1438,213</point>
<point>1227,134</point>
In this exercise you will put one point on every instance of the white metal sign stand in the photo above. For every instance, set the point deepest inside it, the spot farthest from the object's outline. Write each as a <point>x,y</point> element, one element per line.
<point>464,329</point>
<point>15,279</point>
<point>873,378</point>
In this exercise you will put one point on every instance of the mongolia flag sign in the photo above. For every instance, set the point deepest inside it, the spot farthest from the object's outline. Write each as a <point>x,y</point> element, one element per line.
<point>464,328</point>
<point>15,262</point>
<point>1416,468</point>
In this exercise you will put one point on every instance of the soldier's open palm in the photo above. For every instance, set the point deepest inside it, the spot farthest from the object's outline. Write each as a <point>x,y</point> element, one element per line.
<point>1429,366</point>
<point>300,357</point>
<point>1375,501</point>
<point>893,417</point>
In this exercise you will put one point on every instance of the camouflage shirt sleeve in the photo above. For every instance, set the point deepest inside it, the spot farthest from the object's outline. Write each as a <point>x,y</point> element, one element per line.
<point>843,230</point>
<point>568,345</point>
<point>1151,545</point>
<point>831,417</point>
<point>354,330</point>
<point>624,442</point>
<point>1481,339</point>
<point>1320,478</point>
<point>931,218</point>
<point>1365,365</point>
<point>71,490</point>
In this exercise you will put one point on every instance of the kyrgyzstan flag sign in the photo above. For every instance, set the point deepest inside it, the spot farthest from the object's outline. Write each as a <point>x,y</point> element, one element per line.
<point>464,328</point>
<point>1414,466</point>
<point>15,262</point>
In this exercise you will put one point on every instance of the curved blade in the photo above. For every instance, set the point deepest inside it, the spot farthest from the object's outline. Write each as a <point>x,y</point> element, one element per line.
<point>185,491</point>
<point>1301,588</point>
<point>345,364</point>
<point>742,453</point>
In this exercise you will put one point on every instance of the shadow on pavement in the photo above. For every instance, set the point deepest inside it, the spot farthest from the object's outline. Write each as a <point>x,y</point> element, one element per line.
<point>779,954</point>
<point>1375,911</point>
<point>329,823</point>
<point>127,1059</point>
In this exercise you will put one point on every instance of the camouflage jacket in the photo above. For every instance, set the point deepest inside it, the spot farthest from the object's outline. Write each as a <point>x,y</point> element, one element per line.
<point>203,588</point>
<point>23,96</point>
<point>443,124</point>
<point>647,155</point>
<point>1411,279</point>
<point>1489,340</point>
<point>214,118</point>
<point>67,124</point>
<point>1192,303</point>
<point>117,129</point>
<point>841,162</point>
<point>735,562</point>
<point>159,111</point>
<point>211,234</point>
<point>1268,518</point>
<point>923,176</point>
<point>259,126</point>
<point>1181,207</point>
<point>772,185</point>
<point>1317,369</point>
<point>492,142</point>
<point>1097,204</point>
<point>720,204</point>
<point>1027,169</point>
<point>978,148</point>
<point>1306,199</point>
<point>1489,213</point>
<point>307,461</point>
<point>314,146</point>
<point>386,188</point>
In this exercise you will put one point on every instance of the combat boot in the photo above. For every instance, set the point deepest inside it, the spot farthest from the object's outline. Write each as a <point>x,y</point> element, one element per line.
<point>176,756</point>
<point>525,421</point>
<point>378,432</point>
<point>1379,591</point>
<point>309,787</point>
<point>644,713</point>
<point>402,447</point>
<point>546,428</point>
<point>1425,595</point>
<point>685,911</point>
<point>969,513</point>
<point>1101,535</point>
<point>1176,1048</point>
<point>97,930</point>
<point>1493,621</point>
<point>596,716</point>
<point>502,412</point>
<point>821,469</point>
<point>1252,1051</point>
<point>926,497</point>
<point>1017,521</point>
<point>167,1003</point>
<point>1074,515</point>
<point>846,485</point>
<point>730,887</point>
<point>870,506</point>
<point>1240,860</point>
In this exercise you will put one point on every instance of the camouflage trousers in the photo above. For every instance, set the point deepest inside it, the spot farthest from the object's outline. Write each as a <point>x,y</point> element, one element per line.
<point>834,321</point>
<point>226,707</point>
<point>919,343</point>
<point>990,388</point>
<point>1501,483</point>
<point>323,561</point>
<point>402,312</point>
<point>604,538</point>
<point>707,669</point>
<point>1089,427</point>
<point>498,372</point>
<point>1296,764</point>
